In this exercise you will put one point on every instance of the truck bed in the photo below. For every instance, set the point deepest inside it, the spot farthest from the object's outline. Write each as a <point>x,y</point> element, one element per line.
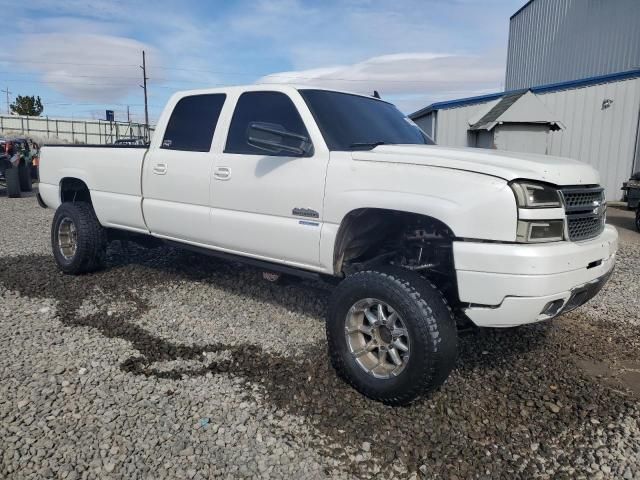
<point>114,173</point>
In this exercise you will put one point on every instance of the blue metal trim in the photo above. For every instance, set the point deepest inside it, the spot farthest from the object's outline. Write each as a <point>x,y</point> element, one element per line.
<point>587,81</point>
<point>521,9</point>
<point>455,103</point>
<point>540,89</point>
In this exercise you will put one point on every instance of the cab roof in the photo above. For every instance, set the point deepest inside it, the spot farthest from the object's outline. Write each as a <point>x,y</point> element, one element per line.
<point>269,86</point>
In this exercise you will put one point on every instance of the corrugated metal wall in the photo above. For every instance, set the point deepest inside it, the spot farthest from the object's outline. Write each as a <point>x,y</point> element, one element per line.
<point>74,131</point>
<point>553,41</point>
<point>604,138</point>
<point>452,124</point>
<point>427,124</point>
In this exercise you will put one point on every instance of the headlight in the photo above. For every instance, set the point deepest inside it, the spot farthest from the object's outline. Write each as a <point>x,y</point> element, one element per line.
<point>536,231</point>
<point>536,195</point>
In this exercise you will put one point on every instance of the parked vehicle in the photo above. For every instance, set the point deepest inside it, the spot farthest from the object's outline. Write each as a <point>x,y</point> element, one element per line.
<point>631,189</point>
<point>344,188</point>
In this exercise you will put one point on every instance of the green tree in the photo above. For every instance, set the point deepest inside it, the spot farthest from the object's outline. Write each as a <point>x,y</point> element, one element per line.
<point>27,105</point>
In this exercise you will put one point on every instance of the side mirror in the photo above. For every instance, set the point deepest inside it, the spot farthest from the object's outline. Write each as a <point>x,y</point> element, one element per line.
<point>274,138</point>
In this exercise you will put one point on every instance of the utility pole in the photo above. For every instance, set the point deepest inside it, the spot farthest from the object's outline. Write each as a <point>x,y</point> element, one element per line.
<point>144,87</point>
<point>129,129</point>
<point>6,90</point>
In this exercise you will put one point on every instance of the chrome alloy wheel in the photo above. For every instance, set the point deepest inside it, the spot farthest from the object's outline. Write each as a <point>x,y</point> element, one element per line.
<point>377,338</point>
<point>67,238</point>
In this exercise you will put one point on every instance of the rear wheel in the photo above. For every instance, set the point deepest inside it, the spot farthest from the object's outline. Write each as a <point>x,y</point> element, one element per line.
<point>638,218</point>
<point>78,240</point>
<point>391,335</point>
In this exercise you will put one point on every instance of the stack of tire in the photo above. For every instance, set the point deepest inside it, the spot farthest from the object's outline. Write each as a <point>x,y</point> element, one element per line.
<point>17,177</point>
<point>12,177</point>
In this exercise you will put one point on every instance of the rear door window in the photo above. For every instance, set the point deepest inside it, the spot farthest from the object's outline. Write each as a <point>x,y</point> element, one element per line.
<point>193,122</point>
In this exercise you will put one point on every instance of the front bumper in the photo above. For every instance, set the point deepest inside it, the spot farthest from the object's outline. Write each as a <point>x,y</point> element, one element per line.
<point>512,284</point>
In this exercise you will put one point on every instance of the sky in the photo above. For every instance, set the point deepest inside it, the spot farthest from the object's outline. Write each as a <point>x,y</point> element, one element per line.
<point>82,56</point>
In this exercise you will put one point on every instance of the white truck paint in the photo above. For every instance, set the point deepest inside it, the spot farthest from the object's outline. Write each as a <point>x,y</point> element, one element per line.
<point>243,204</point>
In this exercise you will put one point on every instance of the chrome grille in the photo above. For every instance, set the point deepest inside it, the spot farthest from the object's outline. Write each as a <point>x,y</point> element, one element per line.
<point>586,211</point>
<point>581,199</point>
<point>584,227</point>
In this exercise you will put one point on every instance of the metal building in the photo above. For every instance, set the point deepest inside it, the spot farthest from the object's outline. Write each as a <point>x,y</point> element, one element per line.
<point>553,41</point>
<point>599,116</point>
<point>581,60</point>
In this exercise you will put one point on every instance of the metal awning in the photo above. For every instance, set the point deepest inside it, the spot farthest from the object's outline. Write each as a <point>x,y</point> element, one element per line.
<point>518,107</point>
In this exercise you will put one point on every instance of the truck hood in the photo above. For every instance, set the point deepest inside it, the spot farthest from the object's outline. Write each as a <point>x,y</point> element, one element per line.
<point>506,165</point>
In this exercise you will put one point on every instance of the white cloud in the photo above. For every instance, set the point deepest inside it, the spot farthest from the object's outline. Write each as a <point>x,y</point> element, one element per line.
<point>85,66</point>
<point>412,51</point>
<point>408,76</point>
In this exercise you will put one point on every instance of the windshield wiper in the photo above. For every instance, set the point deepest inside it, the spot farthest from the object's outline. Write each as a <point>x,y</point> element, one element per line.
<point>371,145</point>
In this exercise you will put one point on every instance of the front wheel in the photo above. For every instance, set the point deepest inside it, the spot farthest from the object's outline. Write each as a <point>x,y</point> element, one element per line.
<point>78,240</point>
<point>638,219</point>
<point>391,335</point>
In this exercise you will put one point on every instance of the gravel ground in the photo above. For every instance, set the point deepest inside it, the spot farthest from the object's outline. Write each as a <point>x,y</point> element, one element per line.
<point>171,365</point>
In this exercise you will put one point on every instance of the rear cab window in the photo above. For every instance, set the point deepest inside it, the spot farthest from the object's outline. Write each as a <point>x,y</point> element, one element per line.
<point>193,123</point>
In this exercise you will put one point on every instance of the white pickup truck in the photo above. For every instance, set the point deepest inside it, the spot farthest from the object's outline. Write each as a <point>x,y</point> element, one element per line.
<point>345,188</point>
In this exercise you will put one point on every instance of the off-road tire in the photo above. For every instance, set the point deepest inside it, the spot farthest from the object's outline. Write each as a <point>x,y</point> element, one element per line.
<point>91,239</point>
<point>25,178</point>
<point>12,179</point>
<point>428,318</point>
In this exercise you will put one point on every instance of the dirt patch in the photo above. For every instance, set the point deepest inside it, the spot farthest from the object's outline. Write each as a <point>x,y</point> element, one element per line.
<point>515,401</point>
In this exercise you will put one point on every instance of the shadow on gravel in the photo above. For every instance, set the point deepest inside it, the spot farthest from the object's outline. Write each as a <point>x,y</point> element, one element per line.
<point>488,419</point>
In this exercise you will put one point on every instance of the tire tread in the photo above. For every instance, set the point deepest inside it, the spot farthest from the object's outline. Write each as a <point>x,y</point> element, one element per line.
<point>438,329</point>
<point>92,239</point>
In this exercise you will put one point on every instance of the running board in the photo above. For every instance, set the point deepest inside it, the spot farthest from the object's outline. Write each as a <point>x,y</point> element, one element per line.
<point>254,262</point>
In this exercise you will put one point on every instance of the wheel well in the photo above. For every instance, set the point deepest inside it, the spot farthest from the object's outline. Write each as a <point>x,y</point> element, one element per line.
<point>74,190</point>
<point>371,236</point>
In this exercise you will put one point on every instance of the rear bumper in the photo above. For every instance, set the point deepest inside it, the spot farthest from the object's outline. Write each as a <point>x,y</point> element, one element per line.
<point>512,284</point>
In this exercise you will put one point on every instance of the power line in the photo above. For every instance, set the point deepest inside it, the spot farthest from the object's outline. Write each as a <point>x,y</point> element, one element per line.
<point>73,75</point>
<point>217,72</point>
<point>87,104</point>
<point>11,60</point>
<point>124,65</point>
<point>207,84</point>
<point>132,84</point>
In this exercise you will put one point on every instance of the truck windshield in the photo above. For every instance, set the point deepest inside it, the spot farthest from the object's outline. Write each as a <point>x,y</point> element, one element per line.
<point>354,122</point>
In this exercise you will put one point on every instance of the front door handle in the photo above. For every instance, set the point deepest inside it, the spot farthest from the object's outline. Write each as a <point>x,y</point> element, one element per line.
<point>160,169</point>
<point>222,173</point>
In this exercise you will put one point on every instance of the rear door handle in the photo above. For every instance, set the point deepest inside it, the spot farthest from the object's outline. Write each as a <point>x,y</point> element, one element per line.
<point>222,173</point>
<point>160,169</point>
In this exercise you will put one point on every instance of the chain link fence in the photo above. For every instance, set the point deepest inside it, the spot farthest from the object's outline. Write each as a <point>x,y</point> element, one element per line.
<point>73,131</point>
